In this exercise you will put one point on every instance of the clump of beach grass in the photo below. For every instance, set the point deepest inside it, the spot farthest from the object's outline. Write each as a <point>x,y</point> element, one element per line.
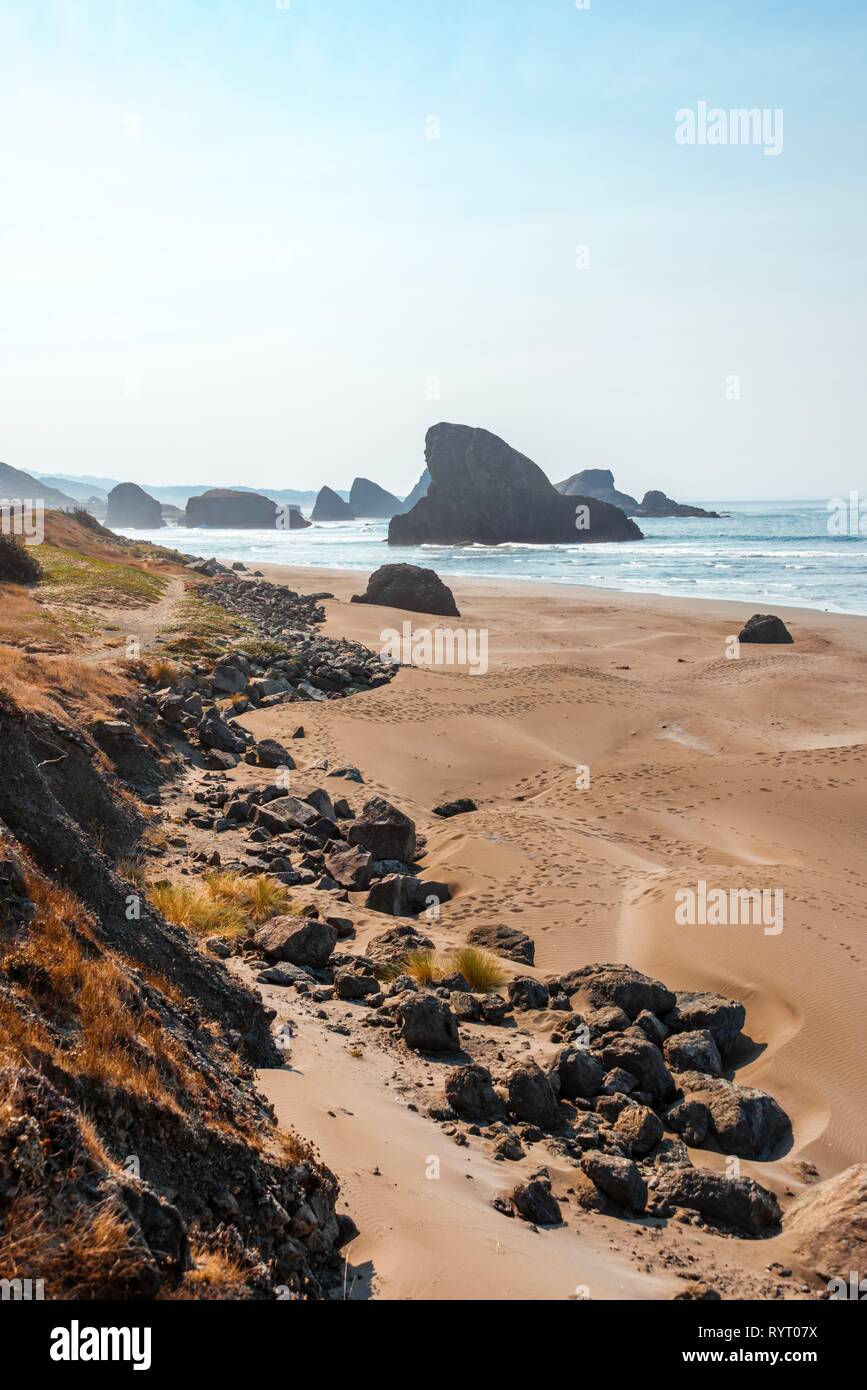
<point>480,969</point>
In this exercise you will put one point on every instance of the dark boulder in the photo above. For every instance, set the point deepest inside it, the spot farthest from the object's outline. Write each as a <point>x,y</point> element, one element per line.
<point>460,807</point>
<point>390,947</point>
<point>618,1178</point>
<point>580,1074</point>
<point>620,986</point>
<point>633,1052</point>
<point>428,1024</point>
<point>695,1051</point>
<point>409,586</point>
<point>402,895</point>
<point>638,1128</point>
<point>535,1202</point>
<point>527,993</point>
<point>724,1018</point>
<point>504,941</point>
<point>349,866</point>
<point>483,491</point>
<point>471,1095</point>
<point>767,629</point>
<point>532,1097</point>
<point>298,940</point>
<point>384,832</point>
<point>743,1120</point>
<point>738,1202</point>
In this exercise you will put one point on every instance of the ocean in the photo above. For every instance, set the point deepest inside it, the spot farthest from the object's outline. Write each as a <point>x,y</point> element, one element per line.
<point>758,552</point>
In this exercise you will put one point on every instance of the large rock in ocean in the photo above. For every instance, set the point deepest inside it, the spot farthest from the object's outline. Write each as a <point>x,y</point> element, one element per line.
<point>369,499</point>
<point>655,503</point>
<point>130,505</point>
<point>418,492</point>
<point>409,586</point>
<point>598,483</point>
<point>331,507</point>
<point>484,491</point>
<point>223,506</point>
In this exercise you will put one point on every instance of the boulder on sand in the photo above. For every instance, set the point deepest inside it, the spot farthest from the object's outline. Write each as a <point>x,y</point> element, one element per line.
<point>470,1093</point>
<point>535,1202</point>
<point>409,586</point>
<point>724,1018</point>
<point>531,1096</point>
<point>483,491</point>
<point>504,941</point>
<point>738,1202</point>
<point>384,832</point>
<point>428,1024</point>
<point>745,1121</point>
<point>298,940</point>
<point>618,1178</point>
<point>765,628</point>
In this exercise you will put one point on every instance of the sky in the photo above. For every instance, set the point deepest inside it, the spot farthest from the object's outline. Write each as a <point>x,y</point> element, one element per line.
<point>271,242</point>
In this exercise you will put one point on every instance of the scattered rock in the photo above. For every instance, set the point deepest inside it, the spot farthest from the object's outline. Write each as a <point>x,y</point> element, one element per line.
<point>535,1202</point>
<point>412,587</point>
<point>531,1096</point>
<point>470,1093</point>
<point>428,1024</point>
<point>619,1179</point>
<point>504,941</point>
<point>694,1051</point>
<point>738,1202</point>
<point>299,940</point>
<point>765,628</point>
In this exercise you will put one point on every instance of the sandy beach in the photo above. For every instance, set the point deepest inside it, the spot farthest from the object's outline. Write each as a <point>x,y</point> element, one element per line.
<point>742,773</point>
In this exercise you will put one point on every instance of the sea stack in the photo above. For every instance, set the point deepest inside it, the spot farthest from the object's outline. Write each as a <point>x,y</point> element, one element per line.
<point>130,505</point>
<point>598,483</point>
<point>224,507</point>
<point>330,507</point>
<point>484,491</point>
<point>369,499</point>
<point>656,503</point>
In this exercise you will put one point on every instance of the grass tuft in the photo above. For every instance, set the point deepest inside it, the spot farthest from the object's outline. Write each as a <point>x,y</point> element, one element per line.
<point>480,969</point>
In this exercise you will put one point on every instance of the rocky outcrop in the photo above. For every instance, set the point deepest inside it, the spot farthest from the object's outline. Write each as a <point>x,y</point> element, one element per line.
<point>330,507</point>
<point>369,499</point>
<point>223,507</point>
<point>130,505</point>
<point>483,491</point>
<point>655,503</point>
<point>409,586</point>
<point>418,492</point>
<point>827,1226</point>
<point>598,483</point>
<point>766,628</point>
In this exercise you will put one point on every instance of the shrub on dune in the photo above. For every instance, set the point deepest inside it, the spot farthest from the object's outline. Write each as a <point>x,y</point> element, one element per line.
<point>480,969</point>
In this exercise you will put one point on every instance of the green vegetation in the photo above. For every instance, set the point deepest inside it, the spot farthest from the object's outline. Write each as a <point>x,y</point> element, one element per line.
<point>86,579</point>
<point>202,629</point>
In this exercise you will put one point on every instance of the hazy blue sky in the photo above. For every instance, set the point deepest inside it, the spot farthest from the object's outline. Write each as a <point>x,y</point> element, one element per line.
<point>230,252</point>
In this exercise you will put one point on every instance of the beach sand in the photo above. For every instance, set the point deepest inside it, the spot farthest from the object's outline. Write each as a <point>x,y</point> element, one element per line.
<point>744,773</point>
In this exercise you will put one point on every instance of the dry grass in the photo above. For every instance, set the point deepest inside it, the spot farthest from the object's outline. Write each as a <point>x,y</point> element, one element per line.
<point>163,671</point>
<point>215,1275</point>
<point>480,969</point>
<point>91,1254</point>
<point>423,966</point>
<point>59,684</point>
<point>222,904</point>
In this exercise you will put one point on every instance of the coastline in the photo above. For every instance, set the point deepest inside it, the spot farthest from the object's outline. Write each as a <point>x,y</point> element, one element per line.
<point>701,769</point>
